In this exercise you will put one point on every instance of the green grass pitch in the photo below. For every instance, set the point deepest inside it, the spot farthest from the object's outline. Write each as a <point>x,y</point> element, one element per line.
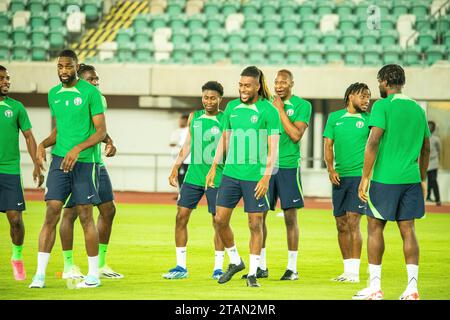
<point>142,248</point>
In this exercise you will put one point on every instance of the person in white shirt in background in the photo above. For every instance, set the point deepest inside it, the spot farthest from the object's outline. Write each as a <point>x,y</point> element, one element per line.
<point>433,166</point>
<point>176,143</point>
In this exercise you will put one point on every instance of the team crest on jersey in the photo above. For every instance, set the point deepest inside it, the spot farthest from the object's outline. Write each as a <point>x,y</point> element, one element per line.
<point>360,124</point>
<point>77,101</point>
<point>215,130</point>
<point>254,119</point>
<point>9,113</point>
<point>290,112</point>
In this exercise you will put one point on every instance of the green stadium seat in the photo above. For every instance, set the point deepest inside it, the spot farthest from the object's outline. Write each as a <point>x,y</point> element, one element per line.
<point>5,19</point>
<point>229,7</point>
<point>392,54</point>
<point>423,23</point>
<point>250,8</point>
<point>347,23</point>
<point>219,52</point>
<point>435,53</point>
<point>196,21</point>
<point>293,36</point>
<point>38,19</point>
<point>20,51</point>
<point>287,8</point>
<point>306,9</point>
<point>312,37</point>
<point>236,37</point>
<point>175,7</point>
<point>255,36</point>
<point>269,8</point>
<point>369,23</point>
<point>372,55</point>
<point>215,22</point>
<point>350,37</point>
<point>37,5</point>
<point>309,23</point>
<point>158,21</point>
<point>144,35</point>
<point>252,22</point>
<point>177,21</point>
<point>271,22</point>
<point>5,32</point>
<point>369,37</point>
<point>5,50</point>
<point>92,10</point>
<point>144,52</point>
<point>20,34</point>
<point>57,21</point>
<point>324,7</point>
<point>412,56</point>
<point>125,51</point>
<point>39,51</point>
<point>331,37</point>
<point>198,36</point>
<point>124,35</point>
<point>426,38</point>
<point>274,37</point>
<point>385,8</point>
<point>141,21</point>
<point>420,8</point>
<point>257,54</point>
<point>295,54</point>
<point>334,53</point>
<point>314,54</point>
<point>55,6</point>
<point>57,39</point>
<point>353,55</point>
<point>217,36</point>
<point>290,22</point>
<point>400,7</point>
<point>442,24</point>
<point>238,52</point>
<point>17,5</point>
<point>200,53</point>
<point>180,52</point>
<point>344,8</point>
<point>211,7</point>
<point>277,54</point>
<point>388,22</point>
<point>447,38</point>
<point>39,34</point>
<point>388,37</point>
<point>180,36</point>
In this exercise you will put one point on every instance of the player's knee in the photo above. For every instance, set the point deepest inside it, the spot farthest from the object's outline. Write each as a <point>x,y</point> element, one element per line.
<point>108,211</point>
<point>69,216</point>
<point>290,221</point>
<point>255,225</point>
<point>341,225</point>
<point>220,222</point>
<point>16,222</point>
<point>85,215</point>
<point>353,224</point>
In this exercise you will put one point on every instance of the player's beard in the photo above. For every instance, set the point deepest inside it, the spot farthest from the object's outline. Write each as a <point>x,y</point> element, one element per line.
<point>250,98</point>
<point>358,109</point>
<point>383,93</point>
<point>69,80</point>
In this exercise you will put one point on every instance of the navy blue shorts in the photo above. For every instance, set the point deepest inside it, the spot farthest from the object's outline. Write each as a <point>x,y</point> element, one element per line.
<point>345,197</point>
<point>190,195</point>
<point>395,202</point>
<point>232,190</point>
<point>286,184</point>
<point>105,191</point>
<point>11,193</point>
<point>81,183</point>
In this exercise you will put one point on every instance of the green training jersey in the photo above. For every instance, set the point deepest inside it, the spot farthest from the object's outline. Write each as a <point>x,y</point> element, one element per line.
<point>205,134</point>
<point>349,132</point>
<point>297,109</point>
<point>13,116</point>
<point>250,126</point>
<point>405,126</point>
<point>73,109</point>
<point>98,153</point>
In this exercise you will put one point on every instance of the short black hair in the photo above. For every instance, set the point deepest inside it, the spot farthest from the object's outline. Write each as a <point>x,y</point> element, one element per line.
<point>85,67</point>
<point>286,71</point>
<point>213,85</point>
<point>432,126</point>
<point>356,87</point>
<point>393,74</point>
<point>69,53</point>
<point>2,68</point>
<point>185,116</point>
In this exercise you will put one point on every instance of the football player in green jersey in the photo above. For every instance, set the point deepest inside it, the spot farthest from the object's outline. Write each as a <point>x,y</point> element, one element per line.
<point>395,165</point>
<point>205,129</point>
<point>14,118</point>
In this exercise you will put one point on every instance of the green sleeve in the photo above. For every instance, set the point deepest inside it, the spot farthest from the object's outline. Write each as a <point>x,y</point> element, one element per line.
<point>329,128</point>
<point>303,113</point>
<point>96,102</point>
<point>105,104</point>
<point>24,121</point>
<point>273,122</point>
<point>378,116</point>
<point>427,128</point>
<point>226,117</point>
<point>49,101</point>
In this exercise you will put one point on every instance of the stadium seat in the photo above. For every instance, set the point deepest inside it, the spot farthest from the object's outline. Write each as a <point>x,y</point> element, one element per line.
<point>293,36</point>
<point>334,53</point>
<point>39,34</point>
<point>324,7</point>
<point>236,37</point>
<point>141,21</point>
<point>177,21</point>
<point>57,39</point>
<point>250,8</point>
<point>20,34</point>
<point>435,53</point>
<point>350,37</point>
<point>314,54</point>
<point>211,7</point>
<point>17,5</point>
<point>388,37</point>
<point>180,52</point>
<point>290,22</point>
<point>196,21</point>
<point>219,52</point>
<point>230,7</point>
<point>420,8</point>
<point>347,23</point>
<point>412,56</point>
<point>180,36</point>
<point>312,37</point>
<point>344,8</point>
<point>38,19</point>
<point>197,36</point>
<point>426,38</point>
<point>5,49</point>
<point>125,51</point>
<point>309,23</point>
<point>255,36</point>
<point>55,6</point>
<point>388,22</point>
<point>271,22</point>
<point>217,36</point>
<point>5,19</point>
<point>392,54</point>
<point>369,37</point>
<point>57,21</point>
<point>423,23</point>
<point>20,51</point>
<point>252,22</point>
<point>269,8</point>
<point>124,35</point>
<point>372,54</point>
<point>400,7</point>
<point>287,8</point>
<point>144,52</point>
<point>295,53</point>
<point>331,37</point>
<point>5,32</point>
<point>442,24</point>
<point>306,9</point>
<point>238,53</point>
<point>92,10</point>
<point>353,54</point>
<point>200,53</point>
<point>447,38</point>
<point>175,7</point>
<point>144,35</point>
<point>215,22</point>
<point>37,5</point>
<point>277,54</point>
<point>274,36</point>
<point>158,21</point>
<point>39,51</point>
<point>257,53</point>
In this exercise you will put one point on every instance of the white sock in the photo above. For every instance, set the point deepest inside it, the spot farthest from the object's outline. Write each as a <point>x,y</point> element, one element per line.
<point>413,275</point>
<point>292,260</point>
<point>181,256</point>
<point>218,259</point>
<point>354,266</point>
<point>254,264</point>
<point>43,258</point>
<point>93,266</point>
<point>346,265</point>
<point>375,276</point>
<point>262,260</point>
<point>233,254</point>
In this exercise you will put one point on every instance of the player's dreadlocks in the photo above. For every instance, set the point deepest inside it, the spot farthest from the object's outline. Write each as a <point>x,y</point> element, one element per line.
<point>356,87</point>
<point>393,74</point>
<point>254,72</point>
<point>85,67</point>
